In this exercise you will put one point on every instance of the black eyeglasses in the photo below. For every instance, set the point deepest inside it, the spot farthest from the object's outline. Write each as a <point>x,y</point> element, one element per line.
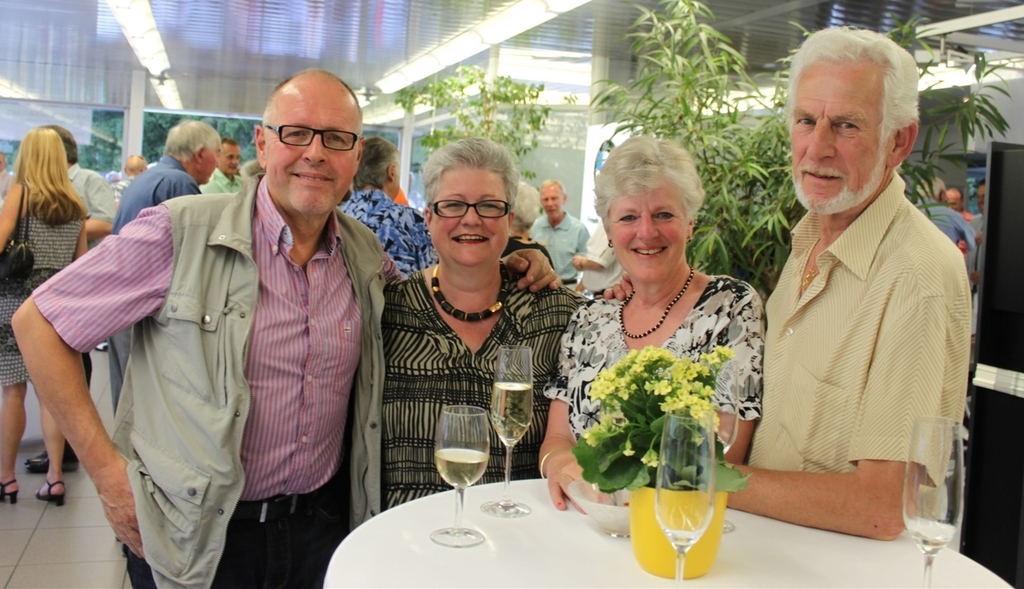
<point>302,136</point>
<point>490,209</point>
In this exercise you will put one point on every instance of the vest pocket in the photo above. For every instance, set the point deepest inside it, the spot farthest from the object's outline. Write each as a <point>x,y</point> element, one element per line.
<point>168,503</point>
<point>197,340</point>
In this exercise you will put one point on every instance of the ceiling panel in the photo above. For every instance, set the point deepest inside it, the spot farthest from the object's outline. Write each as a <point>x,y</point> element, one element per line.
<point>226,55</point>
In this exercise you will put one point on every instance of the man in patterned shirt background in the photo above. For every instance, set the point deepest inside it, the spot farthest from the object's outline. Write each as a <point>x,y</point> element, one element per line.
<point>401,229</point>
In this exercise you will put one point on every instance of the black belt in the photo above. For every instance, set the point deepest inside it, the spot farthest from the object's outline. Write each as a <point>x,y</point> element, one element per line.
<point>569,281</point>
<point>271,509</point>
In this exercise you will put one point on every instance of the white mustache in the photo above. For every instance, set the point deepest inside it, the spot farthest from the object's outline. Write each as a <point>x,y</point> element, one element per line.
<point>827,172</point>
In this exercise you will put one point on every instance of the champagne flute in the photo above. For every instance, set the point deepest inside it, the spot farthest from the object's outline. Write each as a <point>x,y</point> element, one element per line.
<point>684,499</point>
<point>511,414</point>
<point>933,486</point>
<point>462,447</point>
<point>727,403</point>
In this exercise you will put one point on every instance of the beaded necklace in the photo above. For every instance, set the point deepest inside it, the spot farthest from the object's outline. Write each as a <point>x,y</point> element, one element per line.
<point>435,287</point>
<point>663,315</point>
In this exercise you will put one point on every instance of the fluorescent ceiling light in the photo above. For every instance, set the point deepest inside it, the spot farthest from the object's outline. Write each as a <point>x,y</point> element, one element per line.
<point>167,91</point>
<point>139,27</point>
<point>546,66</point>
<point>509,22</point>
<point>9,89</point>
<point>971,22</point>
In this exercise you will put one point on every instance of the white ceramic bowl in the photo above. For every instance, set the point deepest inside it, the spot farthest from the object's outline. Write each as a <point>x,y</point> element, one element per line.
<point>610,511</point>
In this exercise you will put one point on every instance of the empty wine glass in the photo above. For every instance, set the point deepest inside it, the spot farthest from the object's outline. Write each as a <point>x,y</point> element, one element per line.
<point>727,403</point>
<point>511,414</point>
<point>684,497</point>
<point>933,485</point>
<point>462,446</point>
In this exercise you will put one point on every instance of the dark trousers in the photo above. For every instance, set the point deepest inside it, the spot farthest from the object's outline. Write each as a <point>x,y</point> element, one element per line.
<point>293,551</point>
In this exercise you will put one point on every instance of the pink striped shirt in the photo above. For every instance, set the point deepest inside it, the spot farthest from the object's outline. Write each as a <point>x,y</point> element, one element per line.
<point>303,349</point>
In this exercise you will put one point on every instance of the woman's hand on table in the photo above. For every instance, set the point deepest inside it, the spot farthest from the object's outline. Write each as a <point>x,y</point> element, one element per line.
<point>561,469</point>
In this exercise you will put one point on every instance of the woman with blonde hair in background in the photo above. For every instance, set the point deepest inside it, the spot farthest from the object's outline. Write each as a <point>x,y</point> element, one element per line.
<point>55,217</point>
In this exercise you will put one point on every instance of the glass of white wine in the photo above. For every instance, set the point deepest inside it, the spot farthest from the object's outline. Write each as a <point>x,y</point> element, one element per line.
<point>462,447</point>
<point>684,498</point>
<point>727,404</point>
<point>511,414</point>
<point>933,486</point>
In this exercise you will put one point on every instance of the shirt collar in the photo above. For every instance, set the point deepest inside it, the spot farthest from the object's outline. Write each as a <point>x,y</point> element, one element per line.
<point>279,232</point>
<point>172,162</point>
<point>857,245</point>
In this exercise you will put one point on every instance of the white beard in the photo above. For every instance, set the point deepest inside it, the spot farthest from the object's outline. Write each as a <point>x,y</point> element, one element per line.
<point>846,199</point>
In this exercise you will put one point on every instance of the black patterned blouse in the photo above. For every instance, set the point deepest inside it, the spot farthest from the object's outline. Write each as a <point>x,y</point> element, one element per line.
<point>728,313</point>
<point>428,367</point>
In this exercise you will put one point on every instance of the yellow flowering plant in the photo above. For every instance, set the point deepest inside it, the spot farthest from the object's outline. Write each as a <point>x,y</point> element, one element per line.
<point>621,450</point>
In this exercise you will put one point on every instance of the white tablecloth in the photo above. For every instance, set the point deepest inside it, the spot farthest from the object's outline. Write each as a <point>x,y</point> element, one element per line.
<point>550,548</point>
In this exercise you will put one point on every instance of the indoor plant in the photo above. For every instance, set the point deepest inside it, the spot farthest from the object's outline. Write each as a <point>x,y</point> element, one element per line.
<point>498,108</point>
<point>621,450</point>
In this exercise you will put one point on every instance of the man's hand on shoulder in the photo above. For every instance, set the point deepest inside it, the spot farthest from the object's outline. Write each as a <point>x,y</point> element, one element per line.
<point>536,271</point>
<point>621,289</point>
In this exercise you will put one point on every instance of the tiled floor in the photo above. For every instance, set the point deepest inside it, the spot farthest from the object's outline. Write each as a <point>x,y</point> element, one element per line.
<point>42,545</point>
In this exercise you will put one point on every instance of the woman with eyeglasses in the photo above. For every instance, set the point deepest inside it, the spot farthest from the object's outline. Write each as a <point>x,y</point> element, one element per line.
<point>443,326</point>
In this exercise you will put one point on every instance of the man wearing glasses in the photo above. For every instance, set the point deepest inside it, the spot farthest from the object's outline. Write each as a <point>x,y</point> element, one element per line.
<point>256,316</point>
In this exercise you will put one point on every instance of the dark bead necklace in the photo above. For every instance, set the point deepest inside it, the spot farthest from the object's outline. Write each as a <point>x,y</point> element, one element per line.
<point>435,287</point>
<point>663,315</point>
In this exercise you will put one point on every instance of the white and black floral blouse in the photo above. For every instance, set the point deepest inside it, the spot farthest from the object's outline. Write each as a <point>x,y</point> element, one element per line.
<point>728,313</point>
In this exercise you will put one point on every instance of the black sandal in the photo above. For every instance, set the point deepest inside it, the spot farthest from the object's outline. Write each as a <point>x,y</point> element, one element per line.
<point>13,494</point>
<point>58,499</point>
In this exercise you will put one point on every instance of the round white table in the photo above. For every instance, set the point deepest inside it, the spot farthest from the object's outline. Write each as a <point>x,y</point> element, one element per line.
<point>550,548</point>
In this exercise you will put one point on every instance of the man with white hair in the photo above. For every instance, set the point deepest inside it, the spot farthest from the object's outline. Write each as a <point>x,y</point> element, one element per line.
<point>190,157</point>
<point>869,326</point>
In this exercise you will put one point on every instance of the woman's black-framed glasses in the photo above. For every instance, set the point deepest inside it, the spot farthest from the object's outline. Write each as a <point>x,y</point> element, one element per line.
<point>490,209</point>
<point>303,136</point>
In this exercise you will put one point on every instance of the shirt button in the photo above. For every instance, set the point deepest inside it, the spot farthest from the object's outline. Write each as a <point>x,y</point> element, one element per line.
<point>373,425</point>
<point>206,320</point>
<point>220,512</point>
<point>238,413</point>
<point>348,329</point>
<point>242,314</point>
<point>222,237</point>
<point>312,322</point>
<point>191,492</point>
<point>309,378</point>
<point>174,306</point>
<point>789,331</point>
<point>274,249</point>
<point>305,439</point>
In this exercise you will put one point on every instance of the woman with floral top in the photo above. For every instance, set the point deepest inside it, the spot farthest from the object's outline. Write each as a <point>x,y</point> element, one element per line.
<point>648,195</point>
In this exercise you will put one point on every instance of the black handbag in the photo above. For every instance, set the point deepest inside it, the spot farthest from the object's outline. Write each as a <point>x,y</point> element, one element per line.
<point>17,260</point>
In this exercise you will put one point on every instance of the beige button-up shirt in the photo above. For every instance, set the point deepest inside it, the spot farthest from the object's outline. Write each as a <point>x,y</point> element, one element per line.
<point>881,336</point>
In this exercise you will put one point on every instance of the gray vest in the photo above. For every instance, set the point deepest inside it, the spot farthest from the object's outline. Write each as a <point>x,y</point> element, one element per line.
<point>185,399</point>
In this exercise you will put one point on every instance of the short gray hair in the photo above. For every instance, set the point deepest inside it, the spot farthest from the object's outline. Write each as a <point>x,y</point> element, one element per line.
<point>638,167</point>
<point>378,155</point>
<point>187,137</point>
<point>851,45</point>
<point>475,153</point>
<point>527,207</point>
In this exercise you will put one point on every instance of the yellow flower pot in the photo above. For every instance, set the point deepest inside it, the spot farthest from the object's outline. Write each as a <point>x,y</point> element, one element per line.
<point>652,548</point>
